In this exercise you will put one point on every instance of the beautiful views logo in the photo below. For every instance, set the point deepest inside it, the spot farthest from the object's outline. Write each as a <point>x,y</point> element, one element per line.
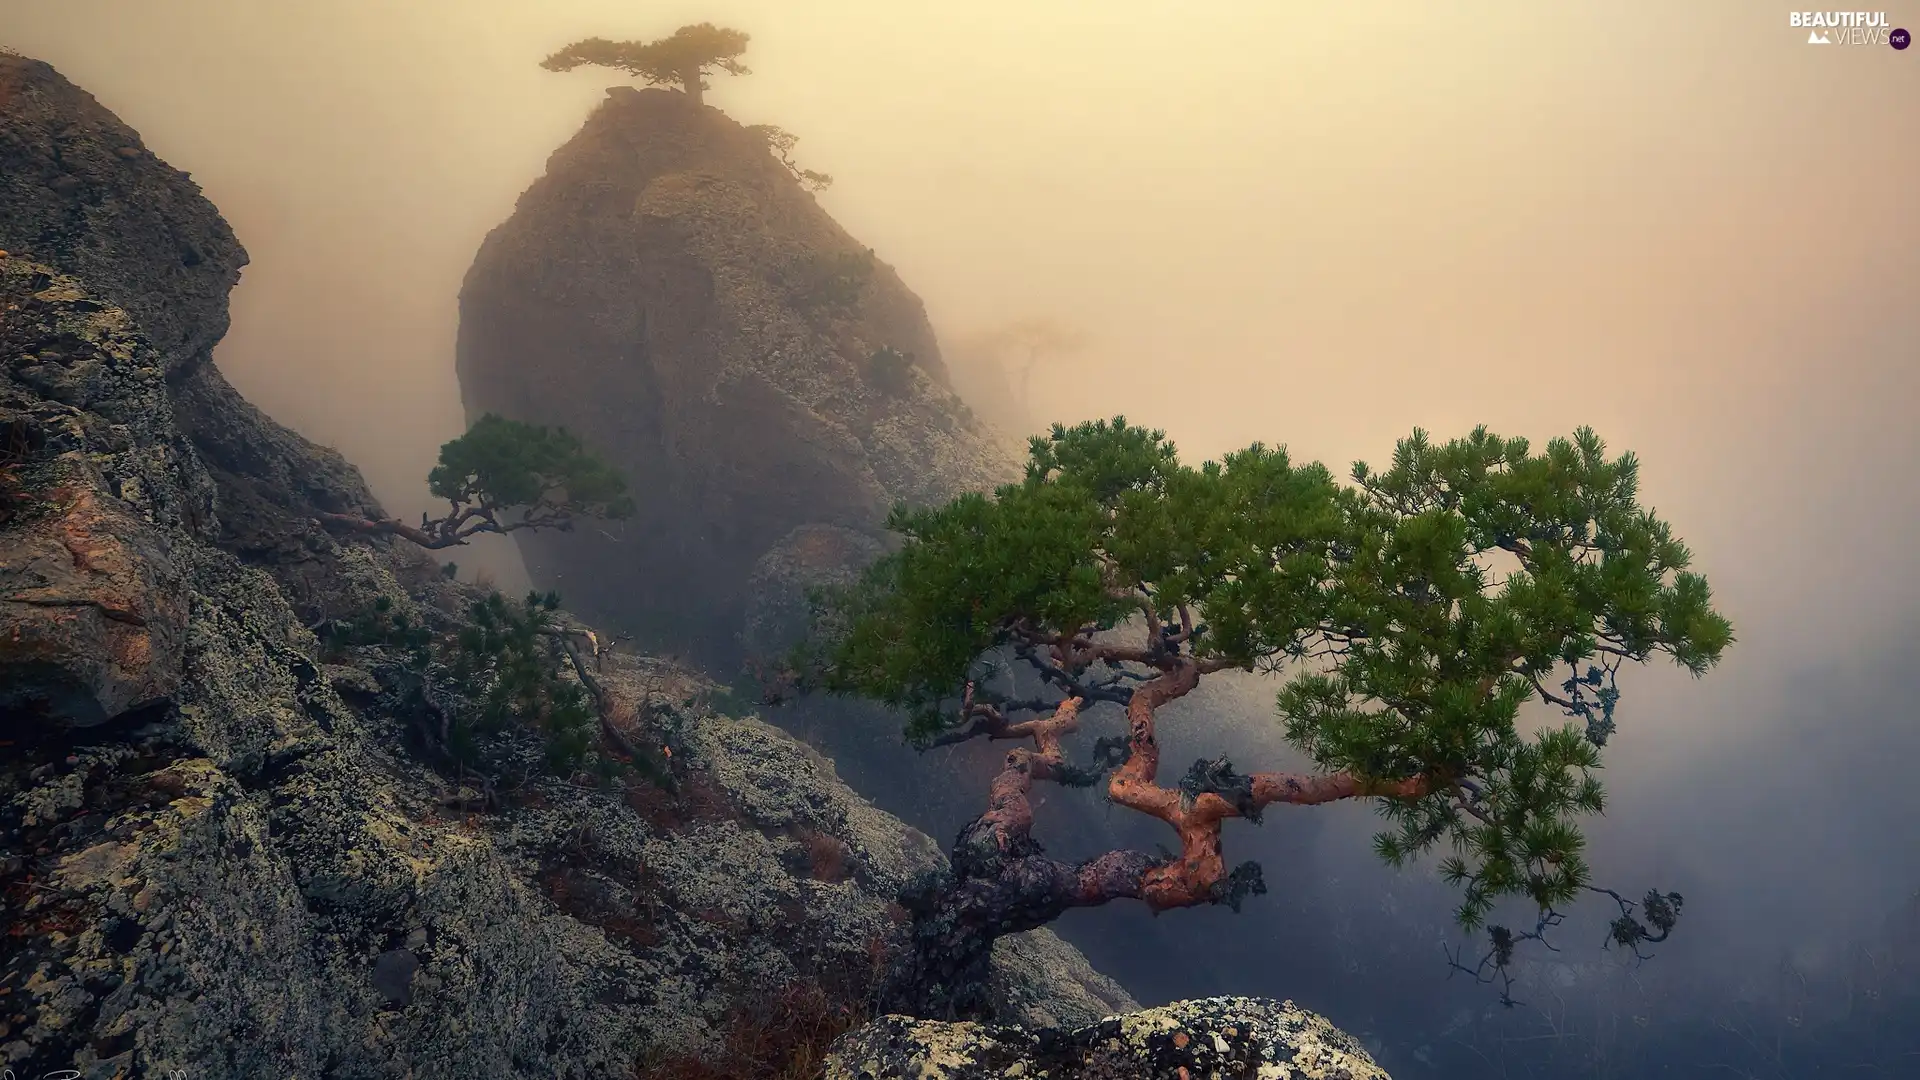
<point>1845,27</point>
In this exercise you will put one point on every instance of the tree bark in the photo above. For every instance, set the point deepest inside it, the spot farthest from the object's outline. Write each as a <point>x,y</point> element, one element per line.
<point>945,973</point>
<point>1002,883</point>
<point>603,701</point>
<point>452,531</point>
<point>390,527</point>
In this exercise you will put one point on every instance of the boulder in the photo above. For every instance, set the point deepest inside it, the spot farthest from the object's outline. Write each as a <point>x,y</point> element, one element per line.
<point>1222,1038</point>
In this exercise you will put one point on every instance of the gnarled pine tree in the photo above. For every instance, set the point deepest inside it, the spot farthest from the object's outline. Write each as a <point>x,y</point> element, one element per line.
<point>501,476</point>
<point>780,143</point>
<point>1412,615</point>
<point>683,59</point>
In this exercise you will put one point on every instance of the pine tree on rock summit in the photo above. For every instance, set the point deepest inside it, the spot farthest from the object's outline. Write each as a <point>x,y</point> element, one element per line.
<point>1409,615</point>
<point>682,59</point>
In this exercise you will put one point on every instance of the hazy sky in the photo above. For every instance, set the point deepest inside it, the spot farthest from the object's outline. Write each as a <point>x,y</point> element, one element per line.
<point>1317,224</point>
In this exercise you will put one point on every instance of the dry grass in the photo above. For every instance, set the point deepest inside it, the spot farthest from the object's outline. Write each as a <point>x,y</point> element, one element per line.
<point>828,858</point>
<point>699,798</point>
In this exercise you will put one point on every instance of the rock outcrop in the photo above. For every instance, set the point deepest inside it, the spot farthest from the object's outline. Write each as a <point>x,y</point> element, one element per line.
<point>218,855</point>
<point>1210,1039</point>
<point>93,616</point>
<point>81,191</point>
<point>670,292</point>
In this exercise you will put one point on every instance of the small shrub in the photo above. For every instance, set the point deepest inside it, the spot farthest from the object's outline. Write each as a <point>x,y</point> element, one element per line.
<point>828,858</point>
<point>379,626</point>
<point>891,371</point>
<point>694,797</point>
<point>735,701</point>
<point>506,653</point>
<point>610,907</point>
<point>705,800</point>
<point>505,667</point>
<point>655,805</point>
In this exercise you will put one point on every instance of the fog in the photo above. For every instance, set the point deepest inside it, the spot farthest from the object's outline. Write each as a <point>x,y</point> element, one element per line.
<point>1313,224</point>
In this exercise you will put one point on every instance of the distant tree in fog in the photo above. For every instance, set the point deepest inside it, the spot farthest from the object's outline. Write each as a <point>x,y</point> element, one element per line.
<point>502,476</point>
<point>1413,614</point>
<point>780,142</point>
<point>1022,345</point>
<point>682,59</point>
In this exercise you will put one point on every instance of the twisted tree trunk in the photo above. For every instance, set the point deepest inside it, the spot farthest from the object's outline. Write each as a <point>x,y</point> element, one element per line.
<point>1001,882</point>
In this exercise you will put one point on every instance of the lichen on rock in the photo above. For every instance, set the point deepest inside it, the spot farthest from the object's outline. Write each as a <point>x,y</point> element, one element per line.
<point>92,622</point>
<point>82,192</point>
<point>1224,1038</point>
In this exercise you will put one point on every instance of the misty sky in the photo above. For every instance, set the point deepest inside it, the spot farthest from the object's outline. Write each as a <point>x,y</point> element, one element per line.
<point>1312,224</point>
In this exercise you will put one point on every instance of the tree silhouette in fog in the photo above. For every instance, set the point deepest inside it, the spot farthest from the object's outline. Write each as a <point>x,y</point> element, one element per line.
<point>682,59</point>
<point>1413,613</point>
<point>1022,345</point>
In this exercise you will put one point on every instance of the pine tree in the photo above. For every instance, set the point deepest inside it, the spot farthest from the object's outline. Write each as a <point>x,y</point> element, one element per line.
<point>1410,615</point>
<point>682,59</point>
<point>502,476</point>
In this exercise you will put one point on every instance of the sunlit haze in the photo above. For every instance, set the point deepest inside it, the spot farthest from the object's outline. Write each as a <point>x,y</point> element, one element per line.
<point>1321,225</point>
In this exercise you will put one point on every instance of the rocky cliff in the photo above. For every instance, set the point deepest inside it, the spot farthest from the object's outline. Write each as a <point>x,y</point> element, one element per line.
<point>218,855</point>
<point>670,292</point>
